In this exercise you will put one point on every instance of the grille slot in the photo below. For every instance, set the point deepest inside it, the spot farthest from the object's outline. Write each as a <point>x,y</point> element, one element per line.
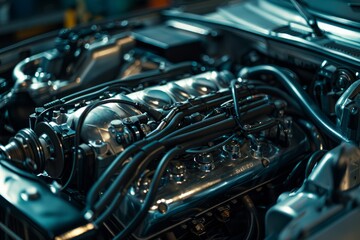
<point>342,48</point>
<point>15,227</point>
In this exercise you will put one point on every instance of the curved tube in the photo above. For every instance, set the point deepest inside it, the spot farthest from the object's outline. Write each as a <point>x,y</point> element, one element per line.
<point>150,197</point>
<point>306,103</point>
<point>317,140</point>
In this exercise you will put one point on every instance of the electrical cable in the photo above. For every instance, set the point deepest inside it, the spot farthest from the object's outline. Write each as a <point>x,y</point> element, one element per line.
<point>318,142</point>
<point>263,109</point>
<point>134,80</point>
<point>212,148</point>
<point>151,194</point>
<point>176,137</point>
<point>198,125</point>
<point>126,154</point>
<point>227,125</point>
<point>82,118</point>
<point>119,160</point>
<point>281,94</point>
<point>236,104</point>
<point>254,224</point>
<point>307,104</point>
<point>313,160</point>
<point>131,170</point>
<point>128,174</point>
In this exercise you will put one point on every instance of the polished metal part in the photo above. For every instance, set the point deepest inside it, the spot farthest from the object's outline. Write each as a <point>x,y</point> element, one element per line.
<point>110,123</point>
<point>188,197</point>
<point>93,66</point>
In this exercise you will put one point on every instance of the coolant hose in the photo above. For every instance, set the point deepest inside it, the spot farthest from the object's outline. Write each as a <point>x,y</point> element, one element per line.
<point>306,103</point>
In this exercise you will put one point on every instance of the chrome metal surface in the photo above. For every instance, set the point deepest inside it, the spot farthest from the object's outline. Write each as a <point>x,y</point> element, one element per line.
<point>186,199</point>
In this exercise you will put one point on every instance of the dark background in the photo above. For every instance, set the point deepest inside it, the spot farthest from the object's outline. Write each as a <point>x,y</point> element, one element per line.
<point>21,19</point>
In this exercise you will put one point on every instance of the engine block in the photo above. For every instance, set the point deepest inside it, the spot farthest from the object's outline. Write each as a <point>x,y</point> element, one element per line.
<point>192,181</point>
<point>191,123</point>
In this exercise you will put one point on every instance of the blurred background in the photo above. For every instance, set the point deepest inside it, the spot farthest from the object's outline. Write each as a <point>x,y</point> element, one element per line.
<point>20,19</point>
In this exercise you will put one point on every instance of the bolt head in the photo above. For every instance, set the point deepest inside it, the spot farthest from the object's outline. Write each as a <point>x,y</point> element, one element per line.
<point>30,194</point>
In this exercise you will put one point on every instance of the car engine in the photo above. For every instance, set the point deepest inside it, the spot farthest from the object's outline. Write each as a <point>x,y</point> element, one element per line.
<point>182,123</point>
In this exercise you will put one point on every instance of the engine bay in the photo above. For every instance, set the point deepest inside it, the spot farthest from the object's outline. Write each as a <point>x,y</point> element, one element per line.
<point>181,124</point>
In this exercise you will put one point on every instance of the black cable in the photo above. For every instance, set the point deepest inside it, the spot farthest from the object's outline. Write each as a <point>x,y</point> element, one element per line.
<point>227,125</point>
<point>126,154</point>
<point>254,220</point>
<point>72,171</point>
<point>313,160</point>
<point>128,174</point>
<point>262,126</point>
<point>307,104</point>
<point>87,97</point>
<point>82,118</point>
<point>250,231</point>
<point>315,137</point>
<point>131,171</point>
<point>43,113</point>
<point>279,93</point>
<point>253,101</point>
<point>236,104</point>
<point>297,172</point>
<point>109,173</point>
<point>198,125</point>
<point>165,121</point>
<point>168,131</point>
<point>182,135</point>
<point>119,187</point>
<point>151,194</point>
<point>264,109</point>
<point>134,80</point>
<point>170,127</point>
<point>90,96</point>
<point>206,104</point>
<point>212,148</point>
<point>228,122</point>
<point>209,102</point>
<point>176,137</point>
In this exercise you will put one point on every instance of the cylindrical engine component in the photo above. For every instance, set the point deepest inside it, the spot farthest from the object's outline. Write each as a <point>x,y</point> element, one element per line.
<point>26,151</point>
<point>347,111</point>
<point>42,78</point>
<point>297,213</point>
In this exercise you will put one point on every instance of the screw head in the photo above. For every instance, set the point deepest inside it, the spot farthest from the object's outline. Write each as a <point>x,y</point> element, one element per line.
<point>162,208</point>
<point>30,194</point>
<point>265,162</point>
